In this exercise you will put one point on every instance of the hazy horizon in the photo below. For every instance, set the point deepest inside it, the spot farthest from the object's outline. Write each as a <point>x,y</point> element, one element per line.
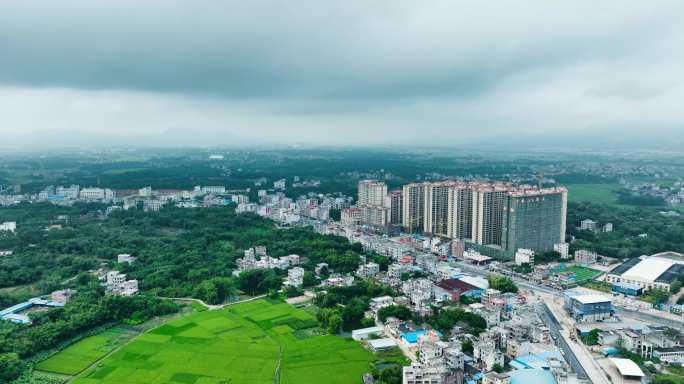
<point>264,73</point>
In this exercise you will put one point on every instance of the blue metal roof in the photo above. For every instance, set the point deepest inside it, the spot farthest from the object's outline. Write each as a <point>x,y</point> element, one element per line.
<point>28,304</point>
<point>529,376</point>
<point>538,361</point>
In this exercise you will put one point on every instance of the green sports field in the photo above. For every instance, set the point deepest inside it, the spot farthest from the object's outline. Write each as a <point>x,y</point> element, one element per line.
<point>256,342</point>
<point>583,274</point>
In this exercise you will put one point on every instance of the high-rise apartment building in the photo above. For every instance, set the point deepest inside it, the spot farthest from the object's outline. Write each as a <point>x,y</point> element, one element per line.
<point>448,209</point>
<point>436,211</point>
<point>488,208</point>
<point>395,207</point>
<point>413,211</point>
<point>492,214</point>
<point>460,212</point>
<point>371,202</point>
<point>535,219</point>
<point>372,192</point>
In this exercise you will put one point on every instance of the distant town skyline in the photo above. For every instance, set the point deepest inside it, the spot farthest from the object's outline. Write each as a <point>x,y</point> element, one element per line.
<point>173,73</point>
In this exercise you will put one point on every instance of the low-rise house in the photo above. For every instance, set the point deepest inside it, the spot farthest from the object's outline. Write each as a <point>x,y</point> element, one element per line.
<point>589,225</point>
<point>438,363</point>
<point>491,299</point>
<point>8,226</point>
<point>295,276</point>
<point>496,378</point>
<point>586,257</point>
<point>673,355</point>
<point>321,267</point>
<point>125,258</point>
<point>128,288</point>
<point>117,284</point>
<point>339,281</point>
<point>487,355</point>
<point>378,303</point>
<point>541,273</point>
<point>563,249</point>
<point>368,270</point>
<point>524,256</point>
<point>395,270</point>
<point>419,293</point>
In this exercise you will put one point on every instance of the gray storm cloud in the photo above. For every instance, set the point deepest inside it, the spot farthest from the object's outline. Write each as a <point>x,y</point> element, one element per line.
<point>349,73</point>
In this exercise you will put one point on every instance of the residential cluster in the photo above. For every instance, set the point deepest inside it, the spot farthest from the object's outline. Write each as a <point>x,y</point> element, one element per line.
<point>302,210</point>
<point>116,283</point>
<point>516,334</point>
<point>495,215</point>
<point>145,198</point>
<point>673,194</point>
<point>258,258</point>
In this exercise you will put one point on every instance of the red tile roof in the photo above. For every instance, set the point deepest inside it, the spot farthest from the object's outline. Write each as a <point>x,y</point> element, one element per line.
<point>456,285</point>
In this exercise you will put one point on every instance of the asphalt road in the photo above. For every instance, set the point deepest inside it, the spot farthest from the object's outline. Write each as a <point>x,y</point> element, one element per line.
<point>555,329</point>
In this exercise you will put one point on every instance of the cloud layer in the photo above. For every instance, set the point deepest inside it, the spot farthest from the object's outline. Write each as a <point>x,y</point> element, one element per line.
<point>357,72</point>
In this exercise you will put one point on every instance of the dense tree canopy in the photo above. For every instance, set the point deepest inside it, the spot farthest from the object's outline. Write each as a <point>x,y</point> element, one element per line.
<point>445,319</point>
<point>179,251</point>
<point>399,311</point>
<point>503,284</point>
<point>661,233</point>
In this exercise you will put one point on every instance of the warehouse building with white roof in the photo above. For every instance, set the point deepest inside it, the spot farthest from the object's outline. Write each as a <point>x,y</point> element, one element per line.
<point>588,307</point>
<point>658,271</point>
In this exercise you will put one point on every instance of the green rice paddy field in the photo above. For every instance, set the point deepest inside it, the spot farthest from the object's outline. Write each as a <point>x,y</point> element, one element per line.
<point>86,352</point>
<point>258,342</point>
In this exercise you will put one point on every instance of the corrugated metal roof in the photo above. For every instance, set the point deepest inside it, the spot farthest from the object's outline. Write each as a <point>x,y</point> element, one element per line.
<point>649,269</point>
<point>528,376</point>
<point>627,367</point>
<point>624,267</point>
<point>671,274</point>
<point>456,284</point>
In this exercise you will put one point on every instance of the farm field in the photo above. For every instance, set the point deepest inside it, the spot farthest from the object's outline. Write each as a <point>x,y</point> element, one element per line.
<point>84,353</point>
<point>258,342</point>
<point>597,193</point>
<point>583,274</point>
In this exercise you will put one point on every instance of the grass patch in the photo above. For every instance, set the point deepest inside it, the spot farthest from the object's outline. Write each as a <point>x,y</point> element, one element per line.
<point>198,307</point>
<point>596,193</point>
<point>239,344</point>
<point>599,286</point>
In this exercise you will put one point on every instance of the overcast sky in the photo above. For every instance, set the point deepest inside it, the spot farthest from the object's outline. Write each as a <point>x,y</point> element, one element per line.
<point>207,72</point>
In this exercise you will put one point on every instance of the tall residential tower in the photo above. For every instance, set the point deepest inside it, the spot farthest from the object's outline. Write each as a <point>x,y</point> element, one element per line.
<point>535,219</point>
